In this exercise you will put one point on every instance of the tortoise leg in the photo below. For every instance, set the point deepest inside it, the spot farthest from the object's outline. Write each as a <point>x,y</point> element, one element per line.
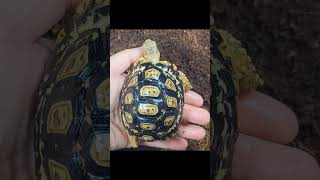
<point>185,81</point>
<point>133,143</point>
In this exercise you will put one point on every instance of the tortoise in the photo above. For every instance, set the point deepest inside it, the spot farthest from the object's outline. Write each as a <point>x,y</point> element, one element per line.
<point>72,105</point>
<point>232,73</point>
<point>152,97</point>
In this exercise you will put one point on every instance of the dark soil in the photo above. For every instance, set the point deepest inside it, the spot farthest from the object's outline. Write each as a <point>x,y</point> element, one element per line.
<point>283,39</point>
<point>188,49</point>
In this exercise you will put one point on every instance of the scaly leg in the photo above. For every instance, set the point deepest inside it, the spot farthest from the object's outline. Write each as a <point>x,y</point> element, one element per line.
<point>133,143</point>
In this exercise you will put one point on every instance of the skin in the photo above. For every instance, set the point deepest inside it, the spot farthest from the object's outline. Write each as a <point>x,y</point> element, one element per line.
<point>24,56</point>
<point>192,119</point>
<point>272,120</point>
<point>266,160</point>
<point>266,126</point>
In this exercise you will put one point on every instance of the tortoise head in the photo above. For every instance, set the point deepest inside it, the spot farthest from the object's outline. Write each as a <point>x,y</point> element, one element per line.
<point>151,51</point>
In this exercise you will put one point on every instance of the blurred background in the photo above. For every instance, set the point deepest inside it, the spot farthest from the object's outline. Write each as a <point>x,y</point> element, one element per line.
<point>283,39</point>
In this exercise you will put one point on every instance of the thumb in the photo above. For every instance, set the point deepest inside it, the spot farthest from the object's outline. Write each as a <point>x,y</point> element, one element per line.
<point>121,61</point>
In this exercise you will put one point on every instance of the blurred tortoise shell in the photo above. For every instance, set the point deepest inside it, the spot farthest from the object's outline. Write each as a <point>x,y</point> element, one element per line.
<point>71,135</point>
<point>232,73</point>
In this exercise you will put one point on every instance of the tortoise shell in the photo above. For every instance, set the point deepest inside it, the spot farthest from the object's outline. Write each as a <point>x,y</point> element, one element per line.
<point>72,106</point>
<point>232,73</point>
<point>152,101</point>
<point>223,110</point>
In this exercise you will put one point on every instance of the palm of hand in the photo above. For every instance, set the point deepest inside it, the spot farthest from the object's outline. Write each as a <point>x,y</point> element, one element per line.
<point>25,70</point>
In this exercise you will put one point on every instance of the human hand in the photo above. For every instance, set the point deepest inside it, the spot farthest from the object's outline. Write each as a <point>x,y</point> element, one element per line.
<point>21,68</point>
<point>193,115</point>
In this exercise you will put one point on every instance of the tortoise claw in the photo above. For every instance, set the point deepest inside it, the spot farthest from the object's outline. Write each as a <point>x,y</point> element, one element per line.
<point>133,143</point>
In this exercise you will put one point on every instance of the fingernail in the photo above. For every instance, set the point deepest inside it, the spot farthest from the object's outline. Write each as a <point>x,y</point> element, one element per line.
<point>194,95</point>
<point>202,134</point>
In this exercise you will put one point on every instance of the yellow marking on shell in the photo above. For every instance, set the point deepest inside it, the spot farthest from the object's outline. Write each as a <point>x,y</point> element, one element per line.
<point>133,81</point>
<point>165,63</point>
<point>100,151</point>
<point>103,95</point>
<point>170,85</point>
<point>59,117</point>
<point>124,121</point>
<point>150,91</point>
<point>61,35</point>
<point>141,60</point>
<point>74,64</point>
<point>93,20</point>
<point>128,98</point>
<point>134,131</point>
<point>171,102</point>
<point>147,126</point>
<point>169,64</point>
<point>58,171</point>
<point>168,121</point>
<point>147,138</point>
<point>152,73</point>
<point>148,109</point>
<point>137,68</point>
<point>128,117</point>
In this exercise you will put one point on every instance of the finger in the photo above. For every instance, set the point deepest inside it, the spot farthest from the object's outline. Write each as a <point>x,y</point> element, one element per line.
<point>264,160</point>
<point>195,115</point>
<point>264,117</point>
<point>190,131</point>
<point>173,143</point>
<point>121,61</point>
<point>193,98</point>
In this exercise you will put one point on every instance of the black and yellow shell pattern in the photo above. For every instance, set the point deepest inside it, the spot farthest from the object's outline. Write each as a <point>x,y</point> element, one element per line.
<point>223,111</point>
<point>232,73</point>
<point>244,72</point>
<point>72,108</point>
<point>152,101</point>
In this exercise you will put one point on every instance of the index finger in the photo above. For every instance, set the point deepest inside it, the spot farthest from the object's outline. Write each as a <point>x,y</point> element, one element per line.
<point>121,61</point>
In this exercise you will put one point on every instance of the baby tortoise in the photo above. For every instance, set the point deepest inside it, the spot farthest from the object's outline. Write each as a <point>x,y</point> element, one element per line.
<point>152,97</point>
